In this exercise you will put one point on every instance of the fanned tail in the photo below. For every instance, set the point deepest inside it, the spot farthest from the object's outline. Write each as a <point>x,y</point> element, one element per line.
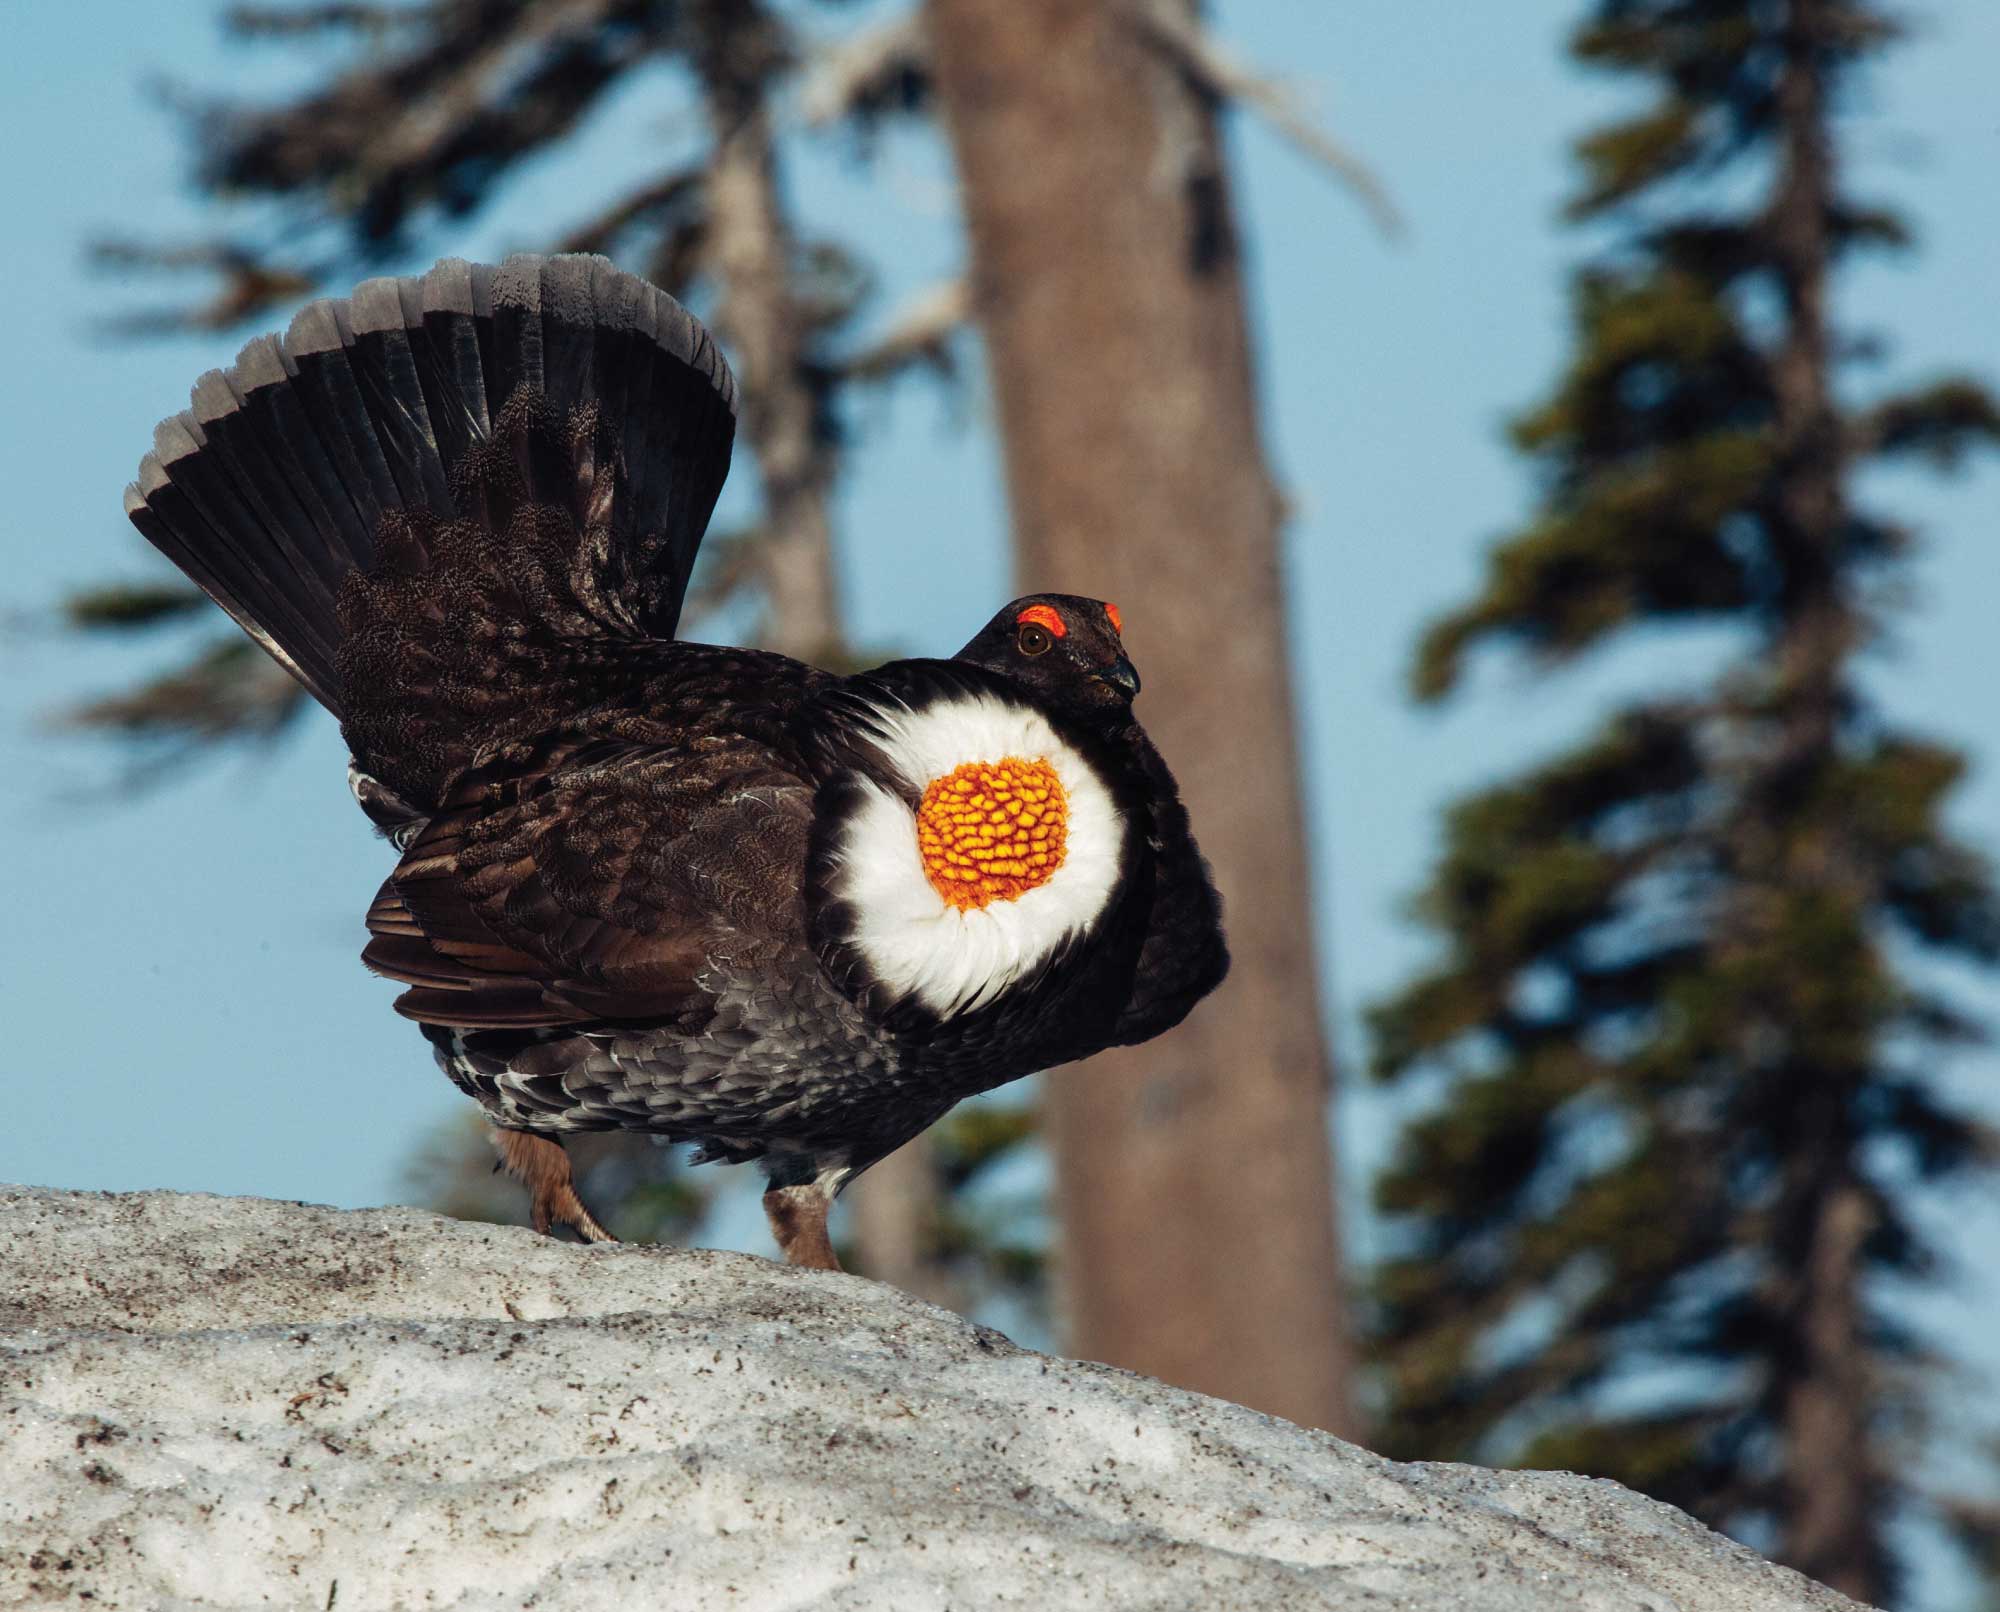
<point>368,417</point>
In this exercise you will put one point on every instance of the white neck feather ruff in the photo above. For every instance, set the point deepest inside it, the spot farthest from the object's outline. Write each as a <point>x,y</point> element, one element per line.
<point>954,960</point>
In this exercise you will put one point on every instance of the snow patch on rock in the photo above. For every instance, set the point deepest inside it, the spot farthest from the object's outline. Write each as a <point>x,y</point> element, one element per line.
<point>222,1403</point>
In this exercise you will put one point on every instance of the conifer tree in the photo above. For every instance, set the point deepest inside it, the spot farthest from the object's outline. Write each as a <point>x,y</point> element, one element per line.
<point>1688,1055</point>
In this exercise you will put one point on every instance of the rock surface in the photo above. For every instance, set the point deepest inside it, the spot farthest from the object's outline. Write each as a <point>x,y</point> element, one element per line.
<point>210,1402</point>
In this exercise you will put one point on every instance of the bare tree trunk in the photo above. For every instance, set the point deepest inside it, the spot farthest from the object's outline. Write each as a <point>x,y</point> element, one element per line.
<point>751,253</point>
<point>1194,1173</point>
<point>895,1217</point>
<point>1828,1518</point>
<point>1828,1508</point>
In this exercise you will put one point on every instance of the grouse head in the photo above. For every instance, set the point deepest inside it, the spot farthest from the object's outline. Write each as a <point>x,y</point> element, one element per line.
<point>1067,649</point>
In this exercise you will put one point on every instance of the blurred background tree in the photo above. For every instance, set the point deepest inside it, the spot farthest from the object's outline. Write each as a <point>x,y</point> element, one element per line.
<point>1687,1050</point>
<point>422,113</point>
<point>1194,1174</point>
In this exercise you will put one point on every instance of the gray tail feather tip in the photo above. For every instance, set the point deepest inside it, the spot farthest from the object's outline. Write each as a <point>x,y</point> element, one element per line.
<point>268,489</point>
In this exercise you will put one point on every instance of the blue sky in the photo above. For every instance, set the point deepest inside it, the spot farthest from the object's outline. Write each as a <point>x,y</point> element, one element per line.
<point>182,999</point>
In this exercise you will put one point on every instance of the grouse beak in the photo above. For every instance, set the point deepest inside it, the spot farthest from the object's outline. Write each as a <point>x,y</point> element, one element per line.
<point>1122,675</point>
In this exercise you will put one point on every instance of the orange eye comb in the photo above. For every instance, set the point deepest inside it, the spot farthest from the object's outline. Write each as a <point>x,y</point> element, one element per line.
<point>1043,616</point>
<point>1117,619</point>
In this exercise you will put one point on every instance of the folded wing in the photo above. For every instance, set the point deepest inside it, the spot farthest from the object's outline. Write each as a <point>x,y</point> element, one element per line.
<point>604,882</point>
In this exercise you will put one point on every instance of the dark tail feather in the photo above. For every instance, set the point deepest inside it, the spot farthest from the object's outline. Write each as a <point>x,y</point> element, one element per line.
<point>269,490</point>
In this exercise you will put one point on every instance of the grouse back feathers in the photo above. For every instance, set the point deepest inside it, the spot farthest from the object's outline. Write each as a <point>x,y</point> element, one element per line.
<point>709,893</point>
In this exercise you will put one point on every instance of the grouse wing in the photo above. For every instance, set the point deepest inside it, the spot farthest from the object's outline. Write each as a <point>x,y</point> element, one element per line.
<point>599,882</point>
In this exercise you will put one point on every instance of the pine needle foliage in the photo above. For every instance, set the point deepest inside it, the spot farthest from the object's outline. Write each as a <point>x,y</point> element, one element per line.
<point>1681,1017</point>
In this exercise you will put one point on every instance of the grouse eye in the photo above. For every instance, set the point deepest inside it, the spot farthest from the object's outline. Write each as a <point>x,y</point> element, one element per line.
<point>1034,639</point>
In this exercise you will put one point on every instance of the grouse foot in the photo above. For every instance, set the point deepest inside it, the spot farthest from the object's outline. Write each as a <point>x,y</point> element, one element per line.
<point>798,1221</point>
<point>540,1164</point>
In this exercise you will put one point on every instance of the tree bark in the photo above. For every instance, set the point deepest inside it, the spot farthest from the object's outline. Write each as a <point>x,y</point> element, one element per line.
<point>1828,1510</point>
<point>1194,1173</point>
<point>1828,1519</point>
<point>894,1220</point>
<point>750,251</point>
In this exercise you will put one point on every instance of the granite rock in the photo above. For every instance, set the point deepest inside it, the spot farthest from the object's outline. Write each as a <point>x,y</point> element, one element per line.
<point>220,1403</point>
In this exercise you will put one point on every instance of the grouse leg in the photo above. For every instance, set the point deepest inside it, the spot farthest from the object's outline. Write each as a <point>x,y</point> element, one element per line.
<point>541,1164</point>
<point>798,1221</point>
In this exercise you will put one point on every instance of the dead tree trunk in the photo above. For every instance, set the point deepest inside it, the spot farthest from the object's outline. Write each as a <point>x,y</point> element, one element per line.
<point>751,254</point>
<point>1194,1173</point>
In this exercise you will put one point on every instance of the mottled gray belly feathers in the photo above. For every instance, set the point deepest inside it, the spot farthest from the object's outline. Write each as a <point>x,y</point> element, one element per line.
<point>785,1064</point>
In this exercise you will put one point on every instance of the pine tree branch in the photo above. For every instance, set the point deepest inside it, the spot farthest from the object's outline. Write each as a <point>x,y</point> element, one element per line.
<point>433,124</point>
<point>676,196</point>
<point>1942,423</point>
<point>291,22</point>
<point>919,333</point>
<point>863,79</point>
<point>248,285</point>
<point>123,606</point>
<point>1198,53</point>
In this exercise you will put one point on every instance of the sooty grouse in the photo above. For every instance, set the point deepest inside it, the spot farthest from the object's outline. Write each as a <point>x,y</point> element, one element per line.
<point>707,893</point>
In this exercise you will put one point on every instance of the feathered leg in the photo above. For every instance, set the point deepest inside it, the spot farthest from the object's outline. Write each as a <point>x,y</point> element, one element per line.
<point>798,1221</point>
<point>541,1165</point>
